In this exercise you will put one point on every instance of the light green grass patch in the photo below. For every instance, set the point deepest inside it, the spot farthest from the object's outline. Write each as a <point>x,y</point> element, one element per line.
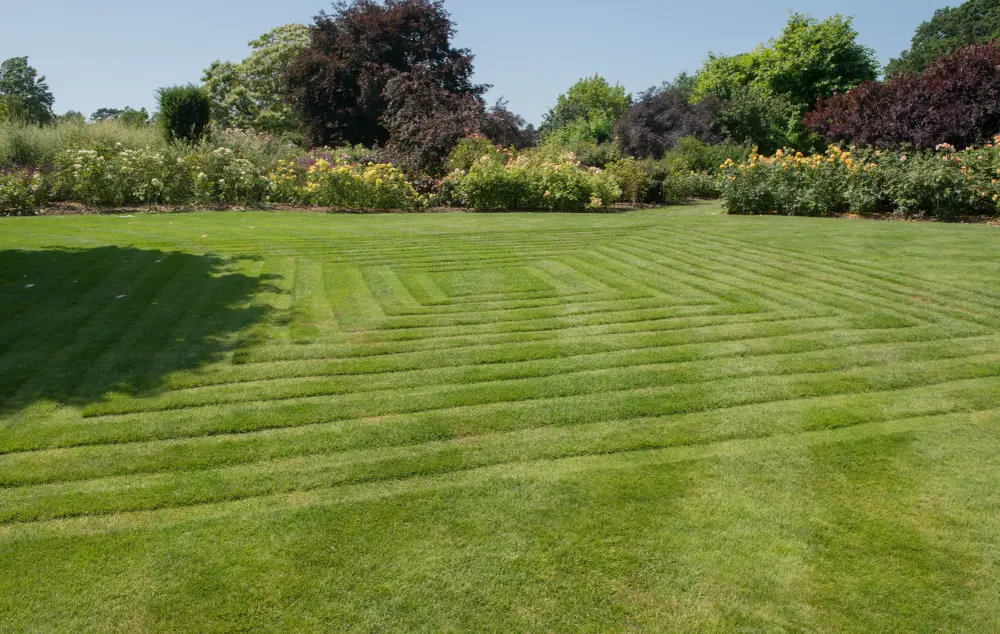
<point>670,420</point>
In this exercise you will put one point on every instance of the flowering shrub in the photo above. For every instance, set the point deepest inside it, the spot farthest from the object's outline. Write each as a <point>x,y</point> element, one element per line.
<point>351,185</point>
<point>680,186</point>
<point>220,176</point>
<point>941,183</point>
<point>116,176</point>
<point>632,177</point>
<point>22,190</point>
<point>532,181</point>
<point>472,148</point>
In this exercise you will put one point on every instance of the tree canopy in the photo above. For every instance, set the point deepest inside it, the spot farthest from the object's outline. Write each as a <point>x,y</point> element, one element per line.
<point>773,86</point>
<point>663,116</point>
<point>25,92</point>
<point>337,85</point>
<point>974,22</point>
<point>251,94</point>
<point>586,112</point>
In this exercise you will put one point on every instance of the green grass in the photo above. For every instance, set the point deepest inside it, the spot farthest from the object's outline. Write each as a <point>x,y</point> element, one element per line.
<point>669,420</point>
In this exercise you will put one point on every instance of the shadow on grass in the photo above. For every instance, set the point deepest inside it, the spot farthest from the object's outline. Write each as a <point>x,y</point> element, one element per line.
<point>78,324</point>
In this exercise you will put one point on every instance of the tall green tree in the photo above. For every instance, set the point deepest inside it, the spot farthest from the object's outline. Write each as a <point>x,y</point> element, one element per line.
<point>251,94</point>
<point>185,112</point>
<point>586,112</point>
<point>770,89</point>
<point>951,28</point>
<point>21,81</point>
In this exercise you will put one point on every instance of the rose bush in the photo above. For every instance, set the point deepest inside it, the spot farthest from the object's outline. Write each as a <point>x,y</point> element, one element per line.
<point>942,183</point>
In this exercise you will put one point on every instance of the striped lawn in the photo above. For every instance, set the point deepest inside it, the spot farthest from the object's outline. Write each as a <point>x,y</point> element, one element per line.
<point>669,420</point>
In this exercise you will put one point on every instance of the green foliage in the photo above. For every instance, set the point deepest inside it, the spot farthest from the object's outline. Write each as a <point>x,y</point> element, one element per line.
<point>633,179</point>
<point>688,171</point>
<point>533,180</point>
<point>764,94</point>
<point>691,154</point>
<point>22,191</point>
<point>11,109</point>
<point>683,186</point>
<point>251,94</point>
<point>118,176</point>
<point>72,118</point>
<point>587,112</point>
<point>351,185</point>
<point>185,112</point>
<point>753,116</point>
<point>589,153</point>
<point>941,183</point>
<point>471,149</point>
<point>133,118</point>
<point>951,28</point>
<point>24,144</point>
<point>18,79</point>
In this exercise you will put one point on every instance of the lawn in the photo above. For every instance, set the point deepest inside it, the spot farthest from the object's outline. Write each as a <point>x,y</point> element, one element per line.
<point>668,420</point>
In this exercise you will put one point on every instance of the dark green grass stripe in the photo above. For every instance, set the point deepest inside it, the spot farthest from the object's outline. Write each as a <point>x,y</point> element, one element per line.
<point>780,285</point>
<point>767,419</point>
<point>639,347</point>
<point>898,293</point>
<point>905,281</point>
<point>770,323</point>
<point>647,368</point>
<point>669,259</point>
<point>867,291</point>
<point>653,401</point>
<point>868,298</point>
<point>172,490</point>
<point>576,467</point>
<point>636,280</point>
<point>723,286</point>
<point>550,320</point>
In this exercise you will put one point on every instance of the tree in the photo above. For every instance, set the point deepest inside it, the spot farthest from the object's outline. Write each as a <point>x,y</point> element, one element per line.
<point>663,116</point>
<point>105,114</point>
<point>127,115</point>
<point>11,108</point>
<point>951,28</point>
<point>755,116</point>
<point>71,116</point>
<point>505,128</point>
<point>425,121</point>
<point>337,85</point>
<point>251,94</point>
<point>185,112</point>
<point>587,112</point>
<point>773,86</point>
<point>19,79</point>
<point>133,118</point>
<point>953,101</point>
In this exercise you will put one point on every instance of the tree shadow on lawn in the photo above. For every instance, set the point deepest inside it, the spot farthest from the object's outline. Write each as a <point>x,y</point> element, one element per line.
<point>76,324</point>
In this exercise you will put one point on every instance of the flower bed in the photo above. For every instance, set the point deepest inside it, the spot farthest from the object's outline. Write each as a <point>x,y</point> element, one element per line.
<point>941,183</point>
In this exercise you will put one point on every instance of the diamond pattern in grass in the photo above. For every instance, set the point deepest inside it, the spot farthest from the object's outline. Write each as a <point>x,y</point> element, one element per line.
<point>661,421</point>
<point>491,281</point>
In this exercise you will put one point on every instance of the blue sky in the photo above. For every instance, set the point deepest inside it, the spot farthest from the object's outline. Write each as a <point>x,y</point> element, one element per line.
<point>112,53</point>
